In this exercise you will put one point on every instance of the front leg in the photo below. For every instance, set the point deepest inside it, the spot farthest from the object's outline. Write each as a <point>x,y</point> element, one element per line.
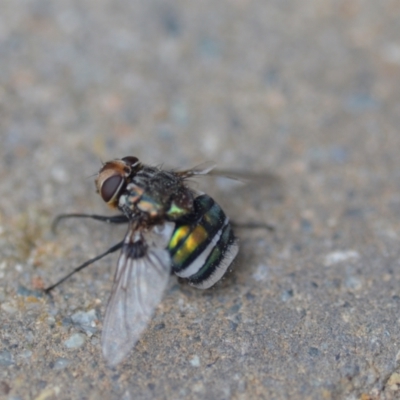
<point>116,219</point>
<point>84,265</point>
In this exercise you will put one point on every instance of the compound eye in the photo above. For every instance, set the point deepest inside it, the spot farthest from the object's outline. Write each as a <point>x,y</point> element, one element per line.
<point>131,160</point>
<point>111,187</point>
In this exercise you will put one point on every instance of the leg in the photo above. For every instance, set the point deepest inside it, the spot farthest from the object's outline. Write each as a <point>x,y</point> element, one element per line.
<point>252,225</point>
<point>85,264</point>
<point>116,219</point>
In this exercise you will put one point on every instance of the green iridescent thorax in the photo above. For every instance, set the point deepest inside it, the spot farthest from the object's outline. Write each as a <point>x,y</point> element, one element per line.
<point>162,196</point>
<point>181,204</point>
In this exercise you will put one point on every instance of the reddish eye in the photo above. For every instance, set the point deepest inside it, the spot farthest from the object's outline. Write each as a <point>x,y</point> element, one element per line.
<point>131,160</point>
<point>111,187</point>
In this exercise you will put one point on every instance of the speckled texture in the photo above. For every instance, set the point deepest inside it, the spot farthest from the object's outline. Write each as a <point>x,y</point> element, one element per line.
<point>306,93</point>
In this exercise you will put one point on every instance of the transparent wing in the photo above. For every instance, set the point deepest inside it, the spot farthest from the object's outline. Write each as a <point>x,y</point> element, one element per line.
<point>140,281</point>
<point>242,176</point>
<point>201,169</point>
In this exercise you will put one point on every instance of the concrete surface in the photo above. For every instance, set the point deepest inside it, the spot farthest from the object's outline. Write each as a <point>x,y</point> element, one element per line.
<point>306,93</point>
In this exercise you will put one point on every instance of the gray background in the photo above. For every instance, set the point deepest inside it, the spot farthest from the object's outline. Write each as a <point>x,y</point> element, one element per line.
<point>305,93</point>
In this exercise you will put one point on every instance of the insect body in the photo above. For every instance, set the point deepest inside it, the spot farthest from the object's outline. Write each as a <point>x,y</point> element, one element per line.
<point>171,229</point>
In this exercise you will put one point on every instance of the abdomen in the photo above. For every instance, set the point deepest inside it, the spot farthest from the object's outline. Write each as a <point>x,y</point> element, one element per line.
<point>203,246</point>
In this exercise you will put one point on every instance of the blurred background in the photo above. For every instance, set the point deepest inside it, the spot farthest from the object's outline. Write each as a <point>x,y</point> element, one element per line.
<point>304,93</point>
<point>254,85</point>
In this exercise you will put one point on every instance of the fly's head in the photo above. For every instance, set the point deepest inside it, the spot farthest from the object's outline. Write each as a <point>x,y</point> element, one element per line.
<point>113,178</point>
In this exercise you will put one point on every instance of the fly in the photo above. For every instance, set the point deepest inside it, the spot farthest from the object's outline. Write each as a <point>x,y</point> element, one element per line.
<point>171,229</point>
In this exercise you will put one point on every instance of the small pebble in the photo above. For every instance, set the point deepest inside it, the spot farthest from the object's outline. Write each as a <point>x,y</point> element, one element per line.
<point>23,291</point>
<point>340,256</point>
<point>75,341</point>
<point>353,282</point>
<point>29,337</point>
<point>19,267</point>
<point>6,358</point>
<point>158,327</point>
<point>195,361</point>
<point>26,354</point>
<point>95,341</point>
<point>86,321</point>
<point>287,295</point>
<point>313,351</point>
<point>60,175</point>
<point>48,393</point>
<point>61,363</point>
<point>8,308</point>
<point>261,273</point>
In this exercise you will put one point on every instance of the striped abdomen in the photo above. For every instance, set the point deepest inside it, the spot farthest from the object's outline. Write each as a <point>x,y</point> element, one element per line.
<point>203,246</point>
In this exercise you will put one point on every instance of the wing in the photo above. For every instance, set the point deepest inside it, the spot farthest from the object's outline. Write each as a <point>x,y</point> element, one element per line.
<point>140,280</point>
<point>202,169</point>
<point>242,176</point>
